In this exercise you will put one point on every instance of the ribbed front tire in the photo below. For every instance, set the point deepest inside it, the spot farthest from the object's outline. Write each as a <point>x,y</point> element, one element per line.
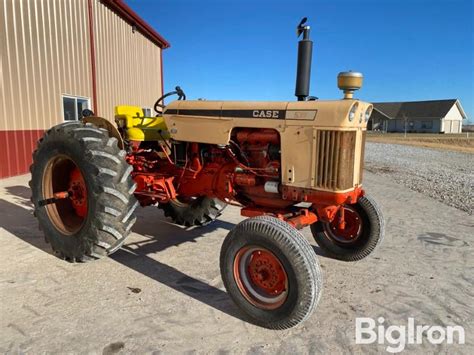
<point>271,272</point>
<point>361,241</point>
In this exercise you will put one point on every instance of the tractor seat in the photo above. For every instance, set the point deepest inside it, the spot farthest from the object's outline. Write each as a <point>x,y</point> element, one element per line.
<point>138,127</point>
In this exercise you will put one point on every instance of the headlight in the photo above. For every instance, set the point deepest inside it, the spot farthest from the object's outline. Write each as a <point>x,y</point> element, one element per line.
<point>368,112</point>
<point>352,112</point>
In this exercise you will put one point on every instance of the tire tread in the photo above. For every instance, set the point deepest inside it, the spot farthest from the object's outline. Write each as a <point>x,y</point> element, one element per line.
<point>111,183</point>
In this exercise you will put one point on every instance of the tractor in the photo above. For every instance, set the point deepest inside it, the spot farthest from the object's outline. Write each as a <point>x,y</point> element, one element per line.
<point>287,165</point>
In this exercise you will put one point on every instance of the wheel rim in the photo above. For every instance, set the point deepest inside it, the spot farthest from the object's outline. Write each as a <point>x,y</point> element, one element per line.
<point>261,277</point>
<point>62,174</point>
<point>352,229</point>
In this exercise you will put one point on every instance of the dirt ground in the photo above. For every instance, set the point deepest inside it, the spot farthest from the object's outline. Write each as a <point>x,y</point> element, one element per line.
<point>163,291</point>
<point>455,142</point>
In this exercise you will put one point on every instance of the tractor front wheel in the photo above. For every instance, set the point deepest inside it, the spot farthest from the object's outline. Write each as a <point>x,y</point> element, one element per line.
<point>362,233</point>
<point>270,271</point>
<point>82,191</point>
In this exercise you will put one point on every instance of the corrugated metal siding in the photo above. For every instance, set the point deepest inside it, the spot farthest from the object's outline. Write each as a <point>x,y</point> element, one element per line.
<point>45,53</point>
<point>128,64</point>
<point>15,153</point>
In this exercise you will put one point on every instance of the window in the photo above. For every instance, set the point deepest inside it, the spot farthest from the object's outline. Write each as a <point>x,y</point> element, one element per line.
<point>146,111</point>
<point>73,106</point>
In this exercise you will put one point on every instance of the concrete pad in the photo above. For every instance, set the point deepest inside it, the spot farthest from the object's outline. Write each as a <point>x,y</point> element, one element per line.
<point>163,292</point>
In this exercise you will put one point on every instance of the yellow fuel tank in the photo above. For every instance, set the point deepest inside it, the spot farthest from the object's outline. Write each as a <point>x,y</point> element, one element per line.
<point>138,127</point>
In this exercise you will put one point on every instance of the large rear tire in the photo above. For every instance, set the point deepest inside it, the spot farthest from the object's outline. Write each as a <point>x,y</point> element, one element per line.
<point>84,161</point>
<point>198,212</point>
<point>363,232</point>
<point>271,272</point>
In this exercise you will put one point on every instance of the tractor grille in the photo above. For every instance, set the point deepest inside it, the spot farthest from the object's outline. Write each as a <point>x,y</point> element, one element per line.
<point>335,152</point>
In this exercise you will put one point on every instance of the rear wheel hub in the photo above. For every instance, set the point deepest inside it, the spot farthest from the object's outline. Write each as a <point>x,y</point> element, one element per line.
<point>63,175</point>
<point>78,192</point>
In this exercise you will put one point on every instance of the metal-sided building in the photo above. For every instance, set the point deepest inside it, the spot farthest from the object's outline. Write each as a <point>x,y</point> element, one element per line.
<point>59,57</point>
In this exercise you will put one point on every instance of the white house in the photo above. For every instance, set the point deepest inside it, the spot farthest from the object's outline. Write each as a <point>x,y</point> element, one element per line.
<point>436,116</point>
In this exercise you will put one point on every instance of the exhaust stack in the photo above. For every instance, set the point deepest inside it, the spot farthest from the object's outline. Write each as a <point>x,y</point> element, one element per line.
<point>305,51</point>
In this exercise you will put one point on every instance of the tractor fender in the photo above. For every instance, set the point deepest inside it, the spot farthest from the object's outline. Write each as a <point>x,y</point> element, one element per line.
<point>106,124</point>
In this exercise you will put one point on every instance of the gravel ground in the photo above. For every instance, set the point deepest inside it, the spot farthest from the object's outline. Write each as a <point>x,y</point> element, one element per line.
<point>443,175</point>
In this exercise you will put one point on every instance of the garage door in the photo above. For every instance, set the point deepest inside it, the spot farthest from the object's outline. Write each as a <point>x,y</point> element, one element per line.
<point>456,127</point>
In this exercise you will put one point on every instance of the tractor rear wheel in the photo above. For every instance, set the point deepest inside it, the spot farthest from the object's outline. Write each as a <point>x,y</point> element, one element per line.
<point>362,233</point>
<point>82,191</point>
<point>271,272</point>
<point>197,212</point>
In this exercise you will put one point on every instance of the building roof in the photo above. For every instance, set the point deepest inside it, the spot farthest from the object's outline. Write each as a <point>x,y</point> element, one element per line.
<point>417,109</point>
<point>130,16</point>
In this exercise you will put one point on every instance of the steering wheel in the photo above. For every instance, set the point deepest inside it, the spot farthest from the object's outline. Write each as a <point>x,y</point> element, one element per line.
<point>159,103</point>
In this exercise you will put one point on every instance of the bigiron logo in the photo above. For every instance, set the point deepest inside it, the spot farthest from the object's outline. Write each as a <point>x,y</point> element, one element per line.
<point>398,336</point>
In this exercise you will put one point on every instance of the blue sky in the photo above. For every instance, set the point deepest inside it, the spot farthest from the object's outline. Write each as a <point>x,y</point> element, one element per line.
<point>246,50</point>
